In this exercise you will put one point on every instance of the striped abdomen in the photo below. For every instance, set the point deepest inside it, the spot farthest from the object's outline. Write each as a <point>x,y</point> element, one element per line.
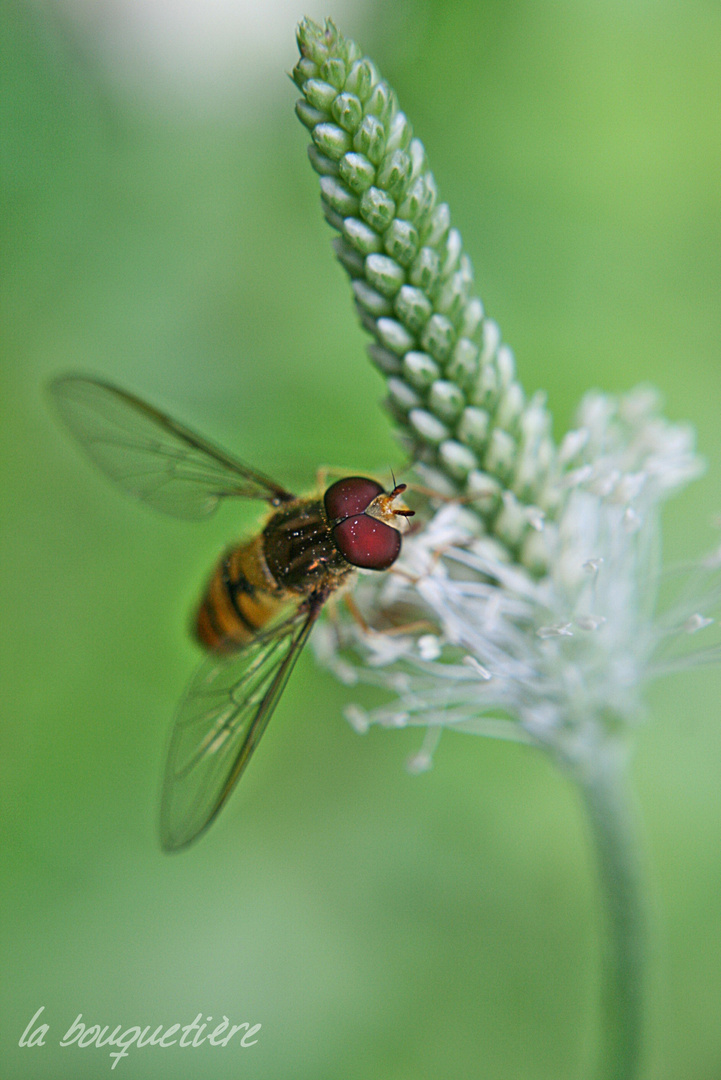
<point>241,598</point>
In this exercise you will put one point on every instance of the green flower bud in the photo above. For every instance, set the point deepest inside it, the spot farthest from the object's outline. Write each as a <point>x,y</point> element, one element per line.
<point>457,460</point>
<point>420,370</point>
<point>361,236</point>
<point>323,165</point>
<point>381,103</point>
<point>347,110</point>
<point>474,427</point>
<point>402,396</point>
<point>413,308</point>
<point>386,361</point>
<point>425,270</point>
<point>401,242</point>
<point>357,172</point>
<point>348,257</point>
<point>394,336</point>
<point>334,71</point>
<point>446,400</point>
<point>320,95</point>
<point>338,197</point>
<point>361,79</point>
<point>384,274</point>
<point>427,427</point>
<point>374,303</point>
<point>377,209</point>
<point>331,140</point>
<point>370,139</point>
<point>308,114</point>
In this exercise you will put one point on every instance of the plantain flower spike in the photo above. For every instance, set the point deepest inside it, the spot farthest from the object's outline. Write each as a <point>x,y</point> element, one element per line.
<point>451,382</point>
<point>527,605</point>
<point>538,583</point>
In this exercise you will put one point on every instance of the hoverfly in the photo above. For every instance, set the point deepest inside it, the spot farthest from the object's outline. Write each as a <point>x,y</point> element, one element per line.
<point>264,595</point>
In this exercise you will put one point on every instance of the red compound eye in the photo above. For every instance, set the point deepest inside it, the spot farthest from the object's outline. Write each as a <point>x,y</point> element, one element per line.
<point>365,542</point>
<point>350,496</point>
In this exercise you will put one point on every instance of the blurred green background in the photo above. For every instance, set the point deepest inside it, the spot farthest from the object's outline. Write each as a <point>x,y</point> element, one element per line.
<point>162,228</point>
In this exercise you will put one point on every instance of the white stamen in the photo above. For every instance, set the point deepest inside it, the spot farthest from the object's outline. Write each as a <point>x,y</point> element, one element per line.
<point>536,518</point>
<point>492,611</point>
<point>572,445</point>
<point>419,763</point>
<point>422,761</point>
<point>696,622</point>
<point>629,487</point>
<point>564,630</point>
<point>357,718</point>
<point>428,647</point>
<point>477,666</point>
<point>344,672</point>
<point>578,476</point>
<point>603,486</point>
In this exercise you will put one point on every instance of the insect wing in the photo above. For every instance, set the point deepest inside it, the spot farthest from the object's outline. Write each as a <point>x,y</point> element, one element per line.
<point>151,456</point>
<point>220,720</point>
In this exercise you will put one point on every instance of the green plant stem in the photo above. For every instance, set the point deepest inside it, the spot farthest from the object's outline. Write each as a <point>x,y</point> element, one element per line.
<point>603,783</point>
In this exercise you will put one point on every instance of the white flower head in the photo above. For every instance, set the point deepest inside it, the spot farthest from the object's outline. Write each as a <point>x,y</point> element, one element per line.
<point>468,638</point>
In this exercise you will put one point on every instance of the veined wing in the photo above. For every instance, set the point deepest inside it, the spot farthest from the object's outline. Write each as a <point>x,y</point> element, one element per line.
<point>150,455</point>
<point>220,720</point>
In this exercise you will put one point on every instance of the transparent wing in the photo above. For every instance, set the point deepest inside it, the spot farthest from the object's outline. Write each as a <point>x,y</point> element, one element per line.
<point>220,720</point>
<point>151,456</point>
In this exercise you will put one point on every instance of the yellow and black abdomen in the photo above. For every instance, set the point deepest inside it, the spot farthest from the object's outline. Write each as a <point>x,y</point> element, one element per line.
<point>240,599</point>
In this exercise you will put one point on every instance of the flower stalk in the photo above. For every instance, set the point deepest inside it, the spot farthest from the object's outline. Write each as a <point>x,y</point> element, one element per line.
<point>602,782</point>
